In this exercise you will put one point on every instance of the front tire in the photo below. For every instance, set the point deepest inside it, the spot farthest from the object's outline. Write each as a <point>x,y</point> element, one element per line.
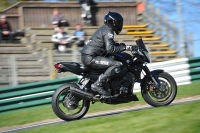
<point>162,96</point>
<point>61,107</point>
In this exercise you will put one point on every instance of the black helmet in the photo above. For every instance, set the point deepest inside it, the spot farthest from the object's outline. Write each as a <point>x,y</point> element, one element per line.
<point>115,21</point>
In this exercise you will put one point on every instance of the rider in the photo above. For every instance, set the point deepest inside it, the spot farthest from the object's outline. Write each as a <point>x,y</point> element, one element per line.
<point>100,44</point>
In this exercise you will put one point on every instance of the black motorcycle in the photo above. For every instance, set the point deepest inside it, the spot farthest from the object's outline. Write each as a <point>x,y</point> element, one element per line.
<point>71,101</point>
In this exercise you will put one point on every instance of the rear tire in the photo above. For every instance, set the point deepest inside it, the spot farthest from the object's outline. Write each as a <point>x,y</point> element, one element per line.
<point>62,111</point>
<point>160,98</point>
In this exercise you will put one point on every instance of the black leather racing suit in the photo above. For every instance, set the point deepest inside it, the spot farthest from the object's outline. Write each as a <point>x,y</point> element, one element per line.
<point>100,44</point>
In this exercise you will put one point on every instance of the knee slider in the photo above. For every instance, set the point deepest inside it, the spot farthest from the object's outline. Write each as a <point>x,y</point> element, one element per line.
<point>117,70</point>
<point>118,67</point>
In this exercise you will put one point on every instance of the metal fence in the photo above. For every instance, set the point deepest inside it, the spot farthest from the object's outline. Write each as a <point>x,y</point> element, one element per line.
<point>164,27</point>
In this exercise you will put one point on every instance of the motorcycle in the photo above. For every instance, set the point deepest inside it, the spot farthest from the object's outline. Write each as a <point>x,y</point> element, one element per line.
<point>71,101</point>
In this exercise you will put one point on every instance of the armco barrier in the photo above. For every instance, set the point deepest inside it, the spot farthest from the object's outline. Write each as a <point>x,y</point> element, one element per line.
<point>32,94</point>
<point>183,70</point>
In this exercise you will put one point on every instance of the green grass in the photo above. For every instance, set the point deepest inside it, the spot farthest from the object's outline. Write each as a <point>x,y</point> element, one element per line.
<point>184,118</point>
<point>34,114</point>
<point>5,4</point>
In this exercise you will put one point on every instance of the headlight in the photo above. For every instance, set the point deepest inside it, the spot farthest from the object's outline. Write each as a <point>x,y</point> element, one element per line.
<point>146,54</point>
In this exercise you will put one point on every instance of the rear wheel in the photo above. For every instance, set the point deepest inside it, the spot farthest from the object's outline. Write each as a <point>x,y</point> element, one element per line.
<point>163,95</point>
<point>68,107</point>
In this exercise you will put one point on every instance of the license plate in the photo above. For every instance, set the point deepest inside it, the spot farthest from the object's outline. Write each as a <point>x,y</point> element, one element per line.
<point>54,74</point>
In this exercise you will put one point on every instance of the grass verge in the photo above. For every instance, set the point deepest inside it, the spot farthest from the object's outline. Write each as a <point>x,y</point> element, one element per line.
<point>172,119</point>
<point>7,3</point>
<point>35,114</point>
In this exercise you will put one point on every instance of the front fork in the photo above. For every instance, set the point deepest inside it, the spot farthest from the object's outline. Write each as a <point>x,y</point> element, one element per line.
<point>153,75</point>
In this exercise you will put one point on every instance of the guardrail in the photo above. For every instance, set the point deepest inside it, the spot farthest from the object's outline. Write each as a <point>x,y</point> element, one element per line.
<point>184,71</point>
<point>32,94</point>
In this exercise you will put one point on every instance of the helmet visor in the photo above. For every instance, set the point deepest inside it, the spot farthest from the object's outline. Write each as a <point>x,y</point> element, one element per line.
<point>119,25</point>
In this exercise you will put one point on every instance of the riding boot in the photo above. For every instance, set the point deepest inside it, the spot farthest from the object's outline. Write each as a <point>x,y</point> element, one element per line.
<point>98,85</point>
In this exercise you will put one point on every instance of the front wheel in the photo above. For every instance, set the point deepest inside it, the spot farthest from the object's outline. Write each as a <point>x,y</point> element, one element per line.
<point>66,106</point>
<point>163,95</point>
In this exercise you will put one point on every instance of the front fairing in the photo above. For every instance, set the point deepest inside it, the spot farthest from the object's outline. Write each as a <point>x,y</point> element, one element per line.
<point>143,52</point>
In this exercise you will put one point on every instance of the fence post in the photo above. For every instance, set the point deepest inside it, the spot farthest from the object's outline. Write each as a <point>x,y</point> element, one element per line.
<point>189,45</point>
<point>21,17</point>
<point>74,51</point>
<point>174,36</point>
<point>159,24</point>
<point>13,66</point>
<point>9,71</point>
<point>50,62</point>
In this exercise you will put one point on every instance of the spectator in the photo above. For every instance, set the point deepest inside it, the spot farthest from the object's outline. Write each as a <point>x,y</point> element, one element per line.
<point>57,19</point>
<point>5,30</point>
<point>80,36</point>
<point>86,11</point>
<point>60,40</point>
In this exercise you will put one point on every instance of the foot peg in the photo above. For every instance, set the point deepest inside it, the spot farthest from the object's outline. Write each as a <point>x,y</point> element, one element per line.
<point>123,89</point>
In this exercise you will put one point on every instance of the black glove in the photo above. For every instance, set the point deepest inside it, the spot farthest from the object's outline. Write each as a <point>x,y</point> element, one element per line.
<point>134,48</point>
<point>122,44</point>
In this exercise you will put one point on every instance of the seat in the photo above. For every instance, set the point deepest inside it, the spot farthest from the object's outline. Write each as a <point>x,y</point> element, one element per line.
<point>88,69</point>
<point>72,64</point>
<point>77,68</point>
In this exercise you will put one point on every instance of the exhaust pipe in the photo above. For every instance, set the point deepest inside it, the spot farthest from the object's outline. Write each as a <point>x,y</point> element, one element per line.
<point>82,94</point>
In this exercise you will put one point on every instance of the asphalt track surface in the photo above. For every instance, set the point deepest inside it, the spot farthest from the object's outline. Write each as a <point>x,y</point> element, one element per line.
<point>118,111</point>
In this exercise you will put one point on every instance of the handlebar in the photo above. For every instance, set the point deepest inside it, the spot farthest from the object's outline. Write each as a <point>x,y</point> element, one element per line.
<point>134,48</point>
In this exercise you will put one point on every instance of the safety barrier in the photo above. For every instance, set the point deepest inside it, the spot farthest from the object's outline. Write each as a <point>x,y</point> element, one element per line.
<point>34,94</point>
<point>184,71</point>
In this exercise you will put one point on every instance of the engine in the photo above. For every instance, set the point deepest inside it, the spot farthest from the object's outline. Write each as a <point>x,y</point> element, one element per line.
<point>123,85</point>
